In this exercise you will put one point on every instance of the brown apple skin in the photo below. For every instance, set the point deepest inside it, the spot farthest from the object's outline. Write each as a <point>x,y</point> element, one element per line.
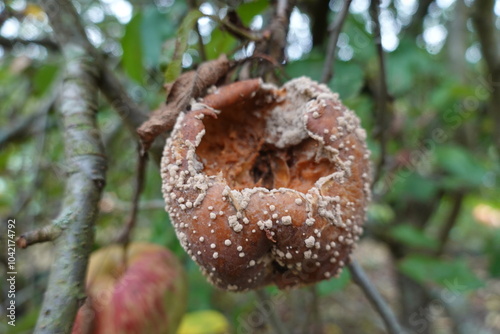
<point>138,290</point>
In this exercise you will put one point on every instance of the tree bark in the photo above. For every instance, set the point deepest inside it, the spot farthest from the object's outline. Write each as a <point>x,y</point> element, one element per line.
<point>85,167</point>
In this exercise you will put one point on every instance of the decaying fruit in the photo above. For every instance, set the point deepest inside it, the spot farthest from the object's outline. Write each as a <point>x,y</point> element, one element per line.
<point>267,185</point>
<point>142,290</point>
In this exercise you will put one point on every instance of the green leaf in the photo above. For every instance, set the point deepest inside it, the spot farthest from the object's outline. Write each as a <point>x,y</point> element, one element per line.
<point>461,164</point>
<point>409,66</point>
<point>348,79</point>
<point>311,67</point>
<point>493,252</point>
<point>25,323</point>
<point>408,184</point>
<point>363,105</point>
<point>174,69</point>
<point>448,94</point>
<point>380,213</point>
<point>335,284</point>
<point>220,42</point>
<point>43,78</point>
<point>132,51</point>
<point>359,39</point>
<point>204,291</point>
<point>248,10</point>
<point>155,29</point>
<point>412,236</point>
<point>451,274</point>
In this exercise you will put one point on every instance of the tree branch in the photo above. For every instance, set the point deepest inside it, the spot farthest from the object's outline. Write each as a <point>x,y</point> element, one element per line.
<point>381,92</point>
<point>69,30</point>
<point>484,20</point>
<point>359,277</point>
<point>274,46</point>
<point>450,222</point>
<point>274,319</point>
<point>86,166</point>
<point>46,233</point>
<point>488,38</point>
<point>335,28</point>
<point>415,27</point>
<point>9,43</point>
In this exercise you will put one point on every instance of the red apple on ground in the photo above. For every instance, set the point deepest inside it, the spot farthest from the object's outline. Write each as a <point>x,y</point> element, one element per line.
<point>140,289</point>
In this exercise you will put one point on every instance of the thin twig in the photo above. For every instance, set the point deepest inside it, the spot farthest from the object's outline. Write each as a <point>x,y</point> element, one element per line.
<point>24,129</point>
<point>359,277</point>
<point>201,47</point>
<point>415,27</point>
<point>335,28</point>
<point>27,127</point>
<point>275,45</point>
<point>9,43</point>
<point>46,233</point>
<point>132,115</point>
<point>444,234</point>
<point>124,235</point>
<point>274,319</point>
<point>235,30</point>
<point>314,323</point>
<point>382,94</point>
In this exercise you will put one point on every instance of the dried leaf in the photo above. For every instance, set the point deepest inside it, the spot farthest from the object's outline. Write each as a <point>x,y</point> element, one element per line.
<point>189,85</point>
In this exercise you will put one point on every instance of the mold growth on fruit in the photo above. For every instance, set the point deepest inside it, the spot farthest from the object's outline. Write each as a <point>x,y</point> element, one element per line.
<point>276,178</point>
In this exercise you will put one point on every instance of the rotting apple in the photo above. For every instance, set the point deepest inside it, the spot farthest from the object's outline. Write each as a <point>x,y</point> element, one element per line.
<point>267,185</point>
<point>140,289</point>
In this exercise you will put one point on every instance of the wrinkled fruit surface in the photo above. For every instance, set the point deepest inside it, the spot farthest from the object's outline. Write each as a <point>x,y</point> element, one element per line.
<point>267,185</point>
<point>142,290</point>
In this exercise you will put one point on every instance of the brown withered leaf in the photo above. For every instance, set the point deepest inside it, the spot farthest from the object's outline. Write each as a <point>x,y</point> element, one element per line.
<point>189,85</point>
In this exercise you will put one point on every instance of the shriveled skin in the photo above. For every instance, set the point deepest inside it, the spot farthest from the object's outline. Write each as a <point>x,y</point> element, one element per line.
<point>267,185</point>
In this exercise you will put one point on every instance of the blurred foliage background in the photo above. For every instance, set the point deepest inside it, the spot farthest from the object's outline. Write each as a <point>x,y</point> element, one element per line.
<point>432,239</point>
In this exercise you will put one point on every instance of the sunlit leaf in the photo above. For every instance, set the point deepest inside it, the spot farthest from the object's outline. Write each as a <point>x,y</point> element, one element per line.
<point>220,42</point>
<point>43,78</point>
<point>174,69</point>
<point>34,11</point>
<point>132,51</point>
<point>248,10</point>
<point>204,322</point>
